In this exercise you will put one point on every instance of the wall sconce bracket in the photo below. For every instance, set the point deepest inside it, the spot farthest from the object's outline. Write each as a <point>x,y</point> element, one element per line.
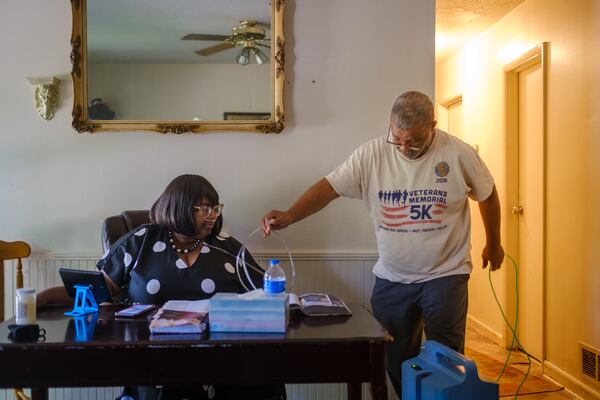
<point>45,95</point>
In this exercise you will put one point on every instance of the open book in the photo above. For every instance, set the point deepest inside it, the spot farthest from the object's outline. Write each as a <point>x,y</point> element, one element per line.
<point>180,316</point>
<point>318,304</point>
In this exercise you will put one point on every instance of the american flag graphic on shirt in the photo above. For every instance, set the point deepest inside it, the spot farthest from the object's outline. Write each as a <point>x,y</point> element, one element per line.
<point>403,207</point>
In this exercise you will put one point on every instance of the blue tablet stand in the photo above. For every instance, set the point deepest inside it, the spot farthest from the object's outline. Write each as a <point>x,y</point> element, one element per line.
<point>84,326</point>
<point>85,302</point>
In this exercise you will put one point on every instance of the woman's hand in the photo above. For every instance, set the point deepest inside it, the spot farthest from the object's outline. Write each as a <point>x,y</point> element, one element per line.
<point>41,301</point>
<point>54,296</point>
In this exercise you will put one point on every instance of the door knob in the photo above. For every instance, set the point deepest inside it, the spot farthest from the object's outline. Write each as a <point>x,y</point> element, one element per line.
<point>517,210</point>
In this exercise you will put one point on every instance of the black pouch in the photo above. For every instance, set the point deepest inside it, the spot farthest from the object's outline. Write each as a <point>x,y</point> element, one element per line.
<point>26,333</point>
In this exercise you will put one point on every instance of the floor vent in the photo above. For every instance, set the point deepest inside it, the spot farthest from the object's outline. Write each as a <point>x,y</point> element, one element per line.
<point>590,362</point>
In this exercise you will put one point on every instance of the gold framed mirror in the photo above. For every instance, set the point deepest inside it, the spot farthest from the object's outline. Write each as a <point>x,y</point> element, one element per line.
<point>179,66</point>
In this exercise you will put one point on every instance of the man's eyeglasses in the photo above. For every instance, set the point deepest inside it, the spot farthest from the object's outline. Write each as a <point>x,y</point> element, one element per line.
<point>407,143</point>
<point>208,211</point>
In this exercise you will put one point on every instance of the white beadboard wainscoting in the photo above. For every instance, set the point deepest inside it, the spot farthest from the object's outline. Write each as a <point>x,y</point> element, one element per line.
<point>346,275</point>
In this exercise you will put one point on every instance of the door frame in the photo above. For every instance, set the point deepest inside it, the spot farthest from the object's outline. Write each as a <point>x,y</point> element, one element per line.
<point>443,110</point>
<point>537,55</point>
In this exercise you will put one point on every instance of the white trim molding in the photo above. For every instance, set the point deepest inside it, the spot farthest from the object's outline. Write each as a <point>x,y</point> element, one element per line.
<point>573,384</point>
<point>487,331</point>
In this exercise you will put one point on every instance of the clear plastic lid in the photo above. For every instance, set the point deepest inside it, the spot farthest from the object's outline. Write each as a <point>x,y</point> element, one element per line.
<point>25,291</point>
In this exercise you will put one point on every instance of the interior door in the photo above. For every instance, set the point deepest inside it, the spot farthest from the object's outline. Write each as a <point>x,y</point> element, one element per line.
<point>530,209</point>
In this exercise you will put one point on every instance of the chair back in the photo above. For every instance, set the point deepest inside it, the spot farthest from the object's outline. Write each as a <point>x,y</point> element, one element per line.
<point>12,251</point>
<point>116,226</point>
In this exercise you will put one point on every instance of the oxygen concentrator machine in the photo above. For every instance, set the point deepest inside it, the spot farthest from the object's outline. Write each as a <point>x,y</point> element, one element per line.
<point>440,373</point>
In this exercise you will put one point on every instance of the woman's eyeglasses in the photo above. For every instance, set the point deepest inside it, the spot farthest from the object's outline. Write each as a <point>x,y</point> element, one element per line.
<point>208,211</point>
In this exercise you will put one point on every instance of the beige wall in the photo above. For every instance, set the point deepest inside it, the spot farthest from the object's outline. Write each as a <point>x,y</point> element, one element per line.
<point>57,186</point>
<point>573,156</point>
<point>178,91</point>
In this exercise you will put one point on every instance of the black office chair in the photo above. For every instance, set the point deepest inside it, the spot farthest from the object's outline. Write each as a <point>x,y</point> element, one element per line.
<point>116,226</point>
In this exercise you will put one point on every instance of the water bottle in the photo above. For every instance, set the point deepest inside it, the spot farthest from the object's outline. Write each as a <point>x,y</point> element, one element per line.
<point>274,280</point>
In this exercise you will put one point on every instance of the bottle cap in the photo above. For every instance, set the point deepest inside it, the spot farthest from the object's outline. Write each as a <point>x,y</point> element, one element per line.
<point>273,262</point>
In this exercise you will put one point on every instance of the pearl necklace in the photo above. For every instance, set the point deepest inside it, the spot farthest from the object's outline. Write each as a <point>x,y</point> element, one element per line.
<point>185,251</point>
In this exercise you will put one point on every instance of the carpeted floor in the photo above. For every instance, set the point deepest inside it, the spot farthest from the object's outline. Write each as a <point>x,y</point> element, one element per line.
<point>490,358</point>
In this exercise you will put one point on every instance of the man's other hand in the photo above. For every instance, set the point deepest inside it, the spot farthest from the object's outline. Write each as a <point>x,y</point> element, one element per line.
<point>494,255</point>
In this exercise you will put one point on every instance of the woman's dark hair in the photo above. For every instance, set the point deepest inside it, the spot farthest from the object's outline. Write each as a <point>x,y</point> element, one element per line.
<point>174,209</point>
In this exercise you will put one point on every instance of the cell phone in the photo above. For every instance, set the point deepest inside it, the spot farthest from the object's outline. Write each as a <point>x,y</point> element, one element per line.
<point>134,310</point>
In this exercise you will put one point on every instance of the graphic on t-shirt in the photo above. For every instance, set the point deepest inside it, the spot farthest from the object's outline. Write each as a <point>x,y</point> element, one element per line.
<point>403,207</point>
<point>393,197</point>
<point>441,170</point>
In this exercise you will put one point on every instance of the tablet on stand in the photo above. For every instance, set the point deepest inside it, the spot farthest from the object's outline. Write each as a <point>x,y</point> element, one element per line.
<point>88,288</point>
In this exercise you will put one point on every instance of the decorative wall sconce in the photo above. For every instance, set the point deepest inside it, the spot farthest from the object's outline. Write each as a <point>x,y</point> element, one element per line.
<point>45,95</point>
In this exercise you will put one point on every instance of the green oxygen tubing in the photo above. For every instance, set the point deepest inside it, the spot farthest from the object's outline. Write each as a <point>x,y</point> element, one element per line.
<point>513,328</point>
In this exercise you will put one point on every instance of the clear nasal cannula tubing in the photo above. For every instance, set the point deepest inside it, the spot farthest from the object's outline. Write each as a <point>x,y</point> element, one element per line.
<point>240,260</point>
<point>260,271</point>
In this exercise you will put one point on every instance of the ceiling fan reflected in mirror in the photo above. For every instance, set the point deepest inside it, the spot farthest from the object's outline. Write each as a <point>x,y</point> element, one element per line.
<point>248,35</point>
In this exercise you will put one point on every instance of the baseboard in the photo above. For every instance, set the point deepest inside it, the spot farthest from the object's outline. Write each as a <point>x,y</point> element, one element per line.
<point>486,330</point>
<point>573,384</point>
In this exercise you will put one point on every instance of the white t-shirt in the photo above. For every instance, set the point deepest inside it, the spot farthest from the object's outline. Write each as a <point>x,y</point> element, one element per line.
<point>419,207</point>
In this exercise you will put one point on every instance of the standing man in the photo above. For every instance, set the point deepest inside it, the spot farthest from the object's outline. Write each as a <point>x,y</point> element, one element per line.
<point>424,238</point>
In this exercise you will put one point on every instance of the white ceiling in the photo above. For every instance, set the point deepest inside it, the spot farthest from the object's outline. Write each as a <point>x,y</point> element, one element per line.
<point>458,21</point>
<point>136,31</point>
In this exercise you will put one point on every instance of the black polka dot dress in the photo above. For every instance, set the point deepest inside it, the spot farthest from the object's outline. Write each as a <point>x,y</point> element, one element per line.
<point>149,270</point>
<point>144,264</point>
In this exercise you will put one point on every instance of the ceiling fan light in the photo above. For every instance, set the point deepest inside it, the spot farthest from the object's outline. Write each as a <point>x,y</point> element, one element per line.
<point>243,56</point>
<point>259,56</point>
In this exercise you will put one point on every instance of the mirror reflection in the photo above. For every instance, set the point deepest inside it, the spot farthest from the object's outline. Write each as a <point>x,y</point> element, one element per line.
<point>181,60</point>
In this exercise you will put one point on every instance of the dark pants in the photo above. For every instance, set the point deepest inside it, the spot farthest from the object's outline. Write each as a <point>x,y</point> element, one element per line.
<point>440,305</point>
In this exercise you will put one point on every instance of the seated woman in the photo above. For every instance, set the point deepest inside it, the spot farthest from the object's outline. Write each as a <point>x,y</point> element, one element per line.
<point>181,255</point>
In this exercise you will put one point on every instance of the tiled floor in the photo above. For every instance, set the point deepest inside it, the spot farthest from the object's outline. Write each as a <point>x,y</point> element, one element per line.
<point>481,343</point>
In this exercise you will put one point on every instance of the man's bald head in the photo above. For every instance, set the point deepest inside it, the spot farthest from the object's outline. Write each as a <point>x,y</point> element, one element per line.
<point>412,110</point>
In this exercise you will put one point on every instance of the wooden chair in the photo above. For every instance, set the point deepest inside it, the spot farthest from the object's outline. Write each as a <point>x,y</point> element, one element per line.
<point>13,251</point>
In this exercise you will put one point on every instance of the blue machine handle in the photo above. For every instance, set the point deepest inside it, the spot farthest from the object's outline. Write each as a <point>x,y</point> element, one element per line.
<point>443,352</point>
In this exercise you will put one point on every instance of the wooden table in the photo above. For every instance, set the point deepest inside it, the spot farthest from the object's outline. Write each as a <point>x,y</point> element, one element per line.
<point>109,352</point>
